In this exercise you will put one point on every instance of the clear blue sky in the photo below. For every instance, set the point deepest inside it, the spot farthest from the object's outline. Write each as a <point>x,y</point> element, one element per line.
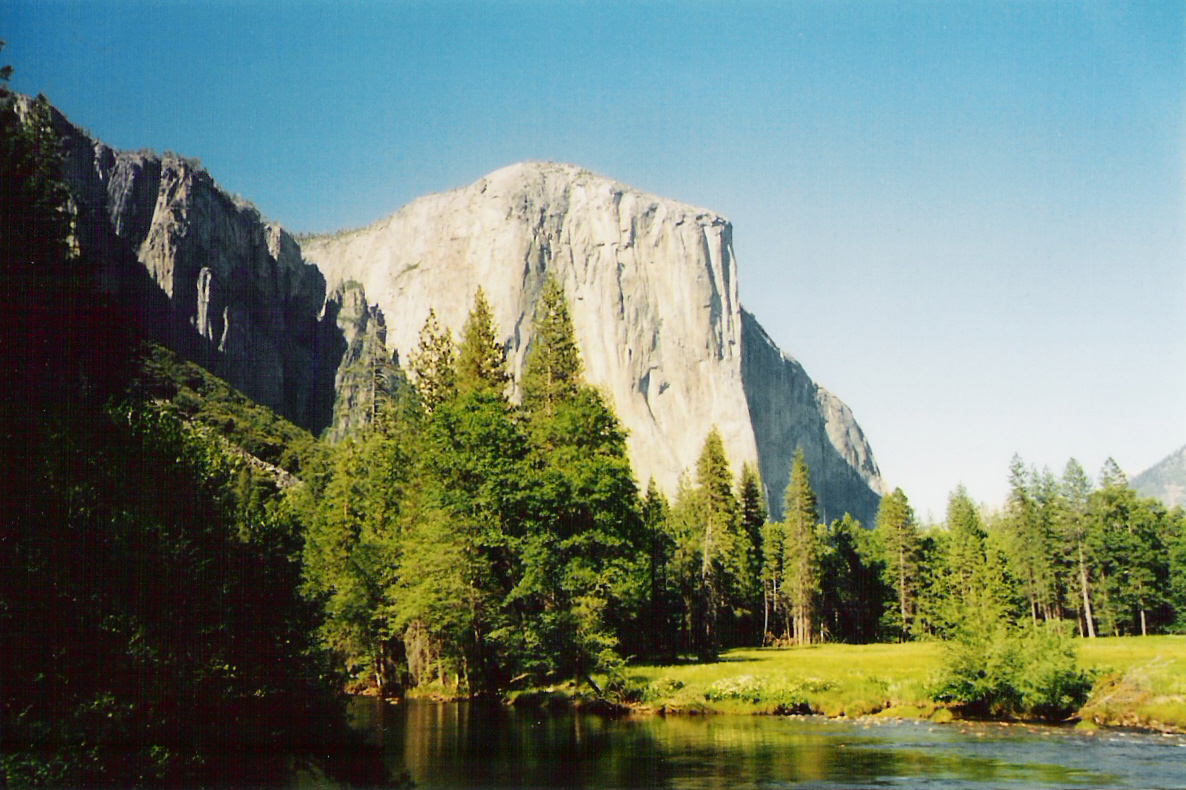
<point>967,219</point>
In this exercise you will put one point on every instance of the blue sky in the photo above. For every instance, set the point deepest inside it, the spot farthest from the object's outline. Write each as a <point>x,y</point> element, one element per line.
<point>967,219</point>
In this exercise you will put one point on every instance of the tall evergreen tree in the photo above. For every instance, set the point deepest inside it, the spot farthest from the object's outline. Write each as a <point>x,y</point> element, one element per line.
<point>852,592</point>
<point>966,548</point>
<point>1076,490</point>
<point>899,537</point>
<point>481,360</point>
<point>459,562</point>
<point>774,604</point>
<point>1030,540</point>
<point>722,549</point>
<point>753,519</point>
<point>434,364</point>
<point>1124,541</point>
<point>662,605</point>
<point>584,551</point>
<point>552,369</point>
<point>801,549</point>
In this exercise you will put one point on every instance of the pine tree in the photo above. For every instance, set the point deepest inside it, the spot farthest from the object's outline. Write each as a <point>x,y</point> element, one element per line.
<point>753,519</point>
<point>661,605</point>
<point>552,368</point>
<point>1124,540</point>
<point>801,549</point>
<point>481,361</point>
<point>1031,539</point>
<point>966,547</point>
<point>722,546</point>
<point>773,600</point>
<point>459,563</point>
<point>852,594</point>
<point>433,364</point>
<point>900,543</point>
<point>1076,490</point>
<point>584,553</point>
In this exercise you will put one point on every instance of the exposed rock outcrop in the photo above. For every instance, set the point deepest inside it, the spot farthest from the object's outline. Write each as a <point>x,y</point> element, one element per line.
<point>652,286</point>
<point>207,276</point>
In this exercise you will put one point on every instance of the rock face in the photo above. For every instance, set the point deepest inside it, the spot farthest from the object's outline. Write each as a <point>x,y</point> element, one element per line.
<point>652,286</point>
<point>1165,480</point>
<point>789,410</point>
<point>207,276</point>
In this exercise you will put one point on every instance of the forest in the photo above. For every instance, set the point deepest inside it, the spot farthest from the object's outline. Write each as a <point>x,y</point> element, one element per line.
<point>187,581</point>
<point>469,542</point>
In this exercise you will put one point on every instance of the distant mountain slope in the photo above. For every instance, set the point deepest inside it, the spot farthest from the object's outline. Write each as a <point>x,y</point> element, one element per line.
<point>653,285</point>
<point>1165,480</point>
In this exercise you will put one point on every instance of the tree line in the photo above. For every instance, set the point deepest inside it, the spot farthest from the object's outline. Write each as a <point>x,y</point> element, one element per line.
<point>471,542</point>
<point>173,611</point>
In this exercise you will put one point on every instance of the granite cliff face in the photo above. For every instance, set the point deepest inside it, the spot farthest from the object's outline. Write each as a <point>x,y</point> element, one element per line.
<point>652,286</point>
<point>205,274</point>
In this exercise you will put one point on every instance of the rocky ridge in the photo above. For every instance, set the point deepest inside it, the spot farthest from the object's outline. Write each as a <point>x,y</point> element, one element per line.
<point>652,285</point>
<point>205,274</point>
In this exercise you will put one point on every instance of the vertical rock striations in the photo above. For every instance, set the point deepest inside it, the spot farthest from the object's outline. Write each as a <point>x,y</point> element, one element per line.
<point>207,276</point>
<point>790,410</point>
<point>652,284</point>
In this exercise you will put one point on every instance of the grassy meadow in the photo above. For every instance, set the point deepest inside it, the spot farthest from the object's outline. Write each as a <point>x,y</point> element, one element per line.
<point>1139,681</point>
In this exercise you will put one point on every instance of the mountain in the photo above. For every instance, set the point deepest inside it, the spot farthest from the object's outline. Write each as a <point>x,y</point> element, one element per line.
<point>296,327</point>
<point>652,285</point>
<point>1165,480</point>
<point>206,275</point>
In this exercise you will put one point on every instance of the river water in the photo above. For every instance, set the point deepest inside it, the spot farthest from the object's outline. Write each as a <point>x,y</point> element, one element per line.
<point>481,745</point>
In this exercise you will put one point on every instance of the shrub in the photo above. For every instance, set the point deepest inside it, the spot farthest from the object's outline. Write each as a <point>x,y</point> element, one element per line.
<point>1009,671</point>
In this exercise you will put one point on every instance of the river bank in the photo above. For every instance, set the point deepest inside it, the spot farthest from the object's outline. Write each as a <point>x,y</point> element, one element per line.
<point>1139,682</point>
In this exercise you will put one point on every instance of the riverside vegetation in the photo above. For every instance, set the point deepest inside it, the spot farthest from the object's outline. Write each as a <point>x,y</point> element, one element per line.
<point>188,582</point>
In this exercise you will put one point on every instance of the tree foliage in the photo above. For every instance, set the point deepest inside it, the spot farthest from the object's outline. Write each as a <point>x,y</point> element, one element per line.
<point>900,545</point>
<point>801,550</point>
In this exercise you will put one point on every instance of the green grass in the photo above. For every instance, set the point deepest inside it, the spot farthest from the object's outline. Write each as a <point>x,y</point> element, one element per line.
<point>1140,681</point>
<point>835,680</point>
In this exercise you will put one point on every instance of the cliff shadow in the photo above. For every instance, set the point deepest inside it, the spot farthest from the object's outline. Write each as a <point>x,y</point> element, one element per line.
<point>786,414</point>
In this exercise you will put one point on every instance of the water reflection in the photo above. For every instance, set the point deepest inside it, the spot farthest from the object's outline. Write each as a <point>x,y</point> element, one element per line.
<point>476,745</point>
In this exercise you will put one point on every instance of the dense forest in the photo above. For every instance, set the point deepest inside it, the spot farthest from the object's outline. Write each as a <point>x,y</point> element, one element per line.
<point>154,630</point>
<point>188,583</point>
<point>468,542</point>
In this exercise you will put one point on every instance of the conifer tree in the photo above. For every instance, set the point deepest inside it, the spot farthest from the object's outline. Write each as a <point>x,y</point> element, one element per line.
<point>552,368</point>
<point>753,518</point>
<point>656,515</point>
<point>583,550</point>
<point>1076,489</point>
<point>900,542</point>
<point>966,543</point>
<point>433,364</point>
<point>722,548</point>
<point>801,549</point>
<point>1129,555</point>
<point>773,600</point>
<point>481,361</point>
<point>852,592</point>
<point>1030,539</point>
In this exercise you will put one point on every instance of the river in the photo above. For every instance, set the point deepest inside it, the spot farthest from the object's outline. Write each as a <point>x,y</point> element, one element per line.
<point>482,745</point>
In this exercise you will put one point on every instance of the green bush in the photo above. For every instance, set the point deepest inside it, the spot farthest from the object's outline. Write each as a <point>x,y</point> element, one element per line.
<point>1010,671</point>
